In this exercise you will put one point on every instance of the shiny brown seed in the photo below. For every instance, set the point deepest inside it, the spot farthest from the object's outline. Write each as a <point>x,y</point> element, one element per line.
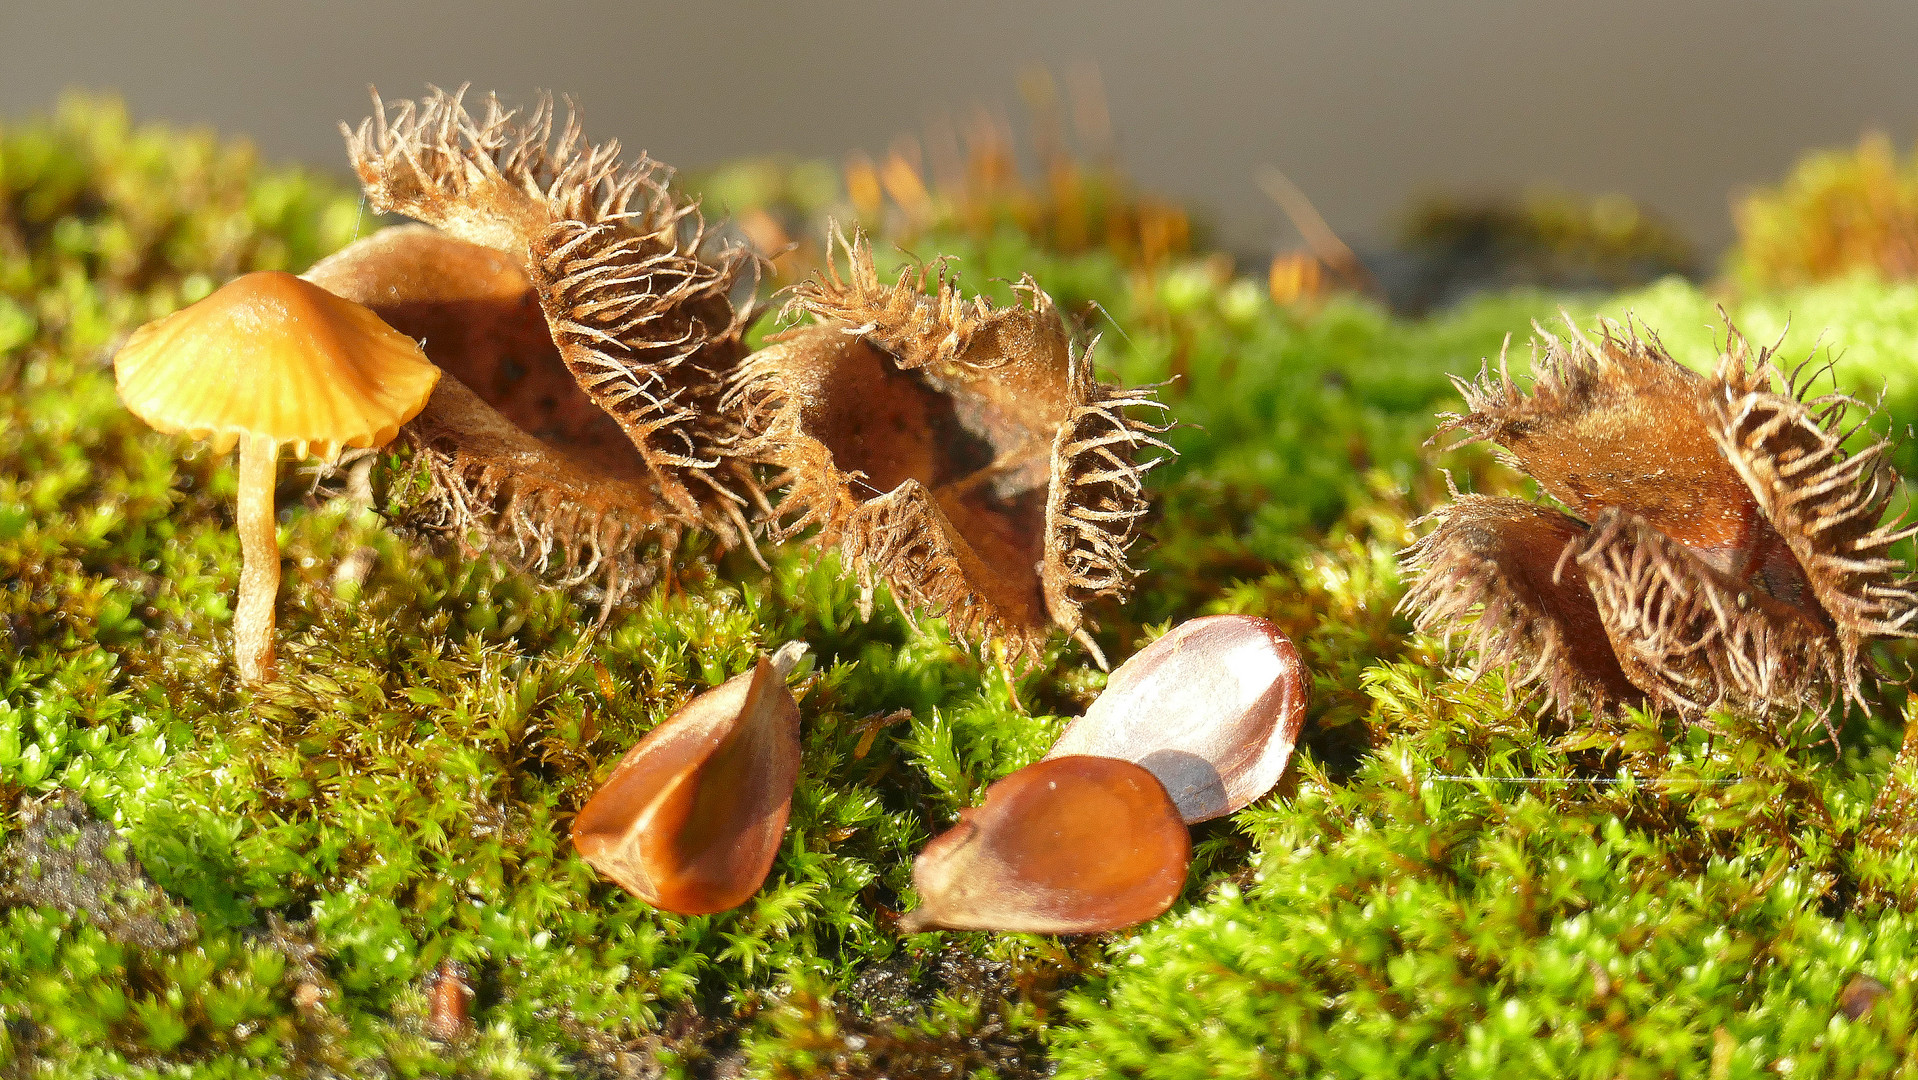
<point>1212,709</point>
<point>449,1016</point>
<point>693,814</point>
<point>1859,995</point>
<point>1072,845</point>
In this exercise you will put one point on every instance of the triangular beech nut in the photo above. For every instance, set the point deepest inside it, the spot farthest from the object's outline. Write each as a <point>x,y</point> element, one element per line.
<point>1492,567</point>
<point>1071,845</point>
<point>692,816</point>
<point>576,499</point>
<point>1617,422</point>
<point>638,306</point>
<point>963,454</point>
<point>1692,637</point>
<point>1212,709</point>
<point>1827,505</point>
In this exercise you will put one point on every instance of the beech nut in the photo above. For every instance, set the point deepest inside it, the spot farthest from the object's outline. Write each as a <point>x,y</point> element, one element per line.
<point>692,816</point>
<point>1070,845</point>
<point>1212,709</point>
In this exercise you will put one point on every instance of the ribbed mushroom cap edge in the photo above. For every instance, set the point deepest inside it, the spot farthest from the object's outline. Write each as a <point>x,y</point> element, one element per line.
<point>270,354</point>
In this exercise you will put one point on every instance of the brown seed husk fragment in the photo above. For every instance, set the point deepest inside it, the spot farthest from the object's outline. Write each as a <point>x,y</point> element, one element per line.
<point>1070,845</point>
<point>575,500</point>
<point>638,307</point>
<point>961,453</point>
<point>1490,568</point>
<point>693,815</point>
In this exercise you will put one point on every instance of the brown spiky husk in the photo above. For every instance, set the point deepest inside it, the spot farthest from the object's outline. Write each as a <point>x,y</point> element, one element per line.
<point>532,504</point>
<point>961,453</point>
<point>1095,498</point>
<point>1829,506</point>
<point>639,306</point>
<point>577,502</point>
<point>1738,554</point>
<point>1694,638</point>
<point>1490,570</point>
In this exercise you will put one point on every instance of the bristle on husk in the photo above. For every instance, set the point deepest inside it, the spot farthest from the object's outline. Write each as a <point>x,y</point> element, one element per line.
<point>531,504</point>
<point>1828,505</point>
<point>961,453</point>
<point>1693,638</point>
<point>1615,422</point>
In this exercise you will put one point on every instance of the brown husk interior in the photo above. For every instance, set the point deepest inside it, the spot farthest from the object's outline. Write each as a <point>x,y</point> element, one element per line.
<point>545,479</point>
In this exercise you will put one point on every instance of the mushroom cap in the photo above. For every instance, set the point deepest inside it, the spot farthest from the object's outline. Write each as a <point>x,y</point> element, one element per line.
<point>270,354</point>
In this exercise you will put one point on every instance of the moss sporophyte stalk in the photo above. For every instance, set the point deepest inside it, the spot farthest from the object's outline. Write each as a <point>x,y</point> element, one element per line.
<point>366,864</point>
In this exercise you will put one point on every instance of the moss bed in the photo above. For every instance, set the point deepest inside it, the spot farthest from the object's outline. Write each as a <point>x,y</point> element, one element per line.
<point>199,880</point>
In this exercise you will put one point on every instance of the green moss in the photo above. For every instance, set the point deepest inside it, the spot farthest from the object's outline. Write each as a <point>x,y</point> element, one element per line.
<point>289,865</point>
<point>1838,213</point>
<point>1432,916</point>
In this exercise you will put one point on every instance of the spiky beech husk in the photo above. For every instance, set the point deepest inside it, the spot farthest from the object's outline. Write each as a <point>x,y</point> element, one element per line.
<point>576,501</point>
<point>637,301</point>
<point>1618,422</point>
<point>1490,571</point>
<point>962,453</point>
<point>1737,556</point>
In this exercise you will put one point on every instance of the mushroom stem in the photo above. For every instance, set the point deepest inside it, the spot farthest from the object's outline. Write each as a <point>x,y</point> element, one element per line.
<point>259,559</point>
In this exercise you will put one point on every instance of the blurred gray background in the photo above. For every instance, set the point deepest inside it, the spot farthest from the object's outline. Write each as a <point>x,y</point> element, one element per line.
<point>1365,105</point>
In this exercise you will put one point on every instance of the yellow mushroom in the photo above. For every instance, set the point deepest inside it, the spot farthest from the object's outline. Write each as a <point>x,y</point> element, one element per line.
<point>271,359</point>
